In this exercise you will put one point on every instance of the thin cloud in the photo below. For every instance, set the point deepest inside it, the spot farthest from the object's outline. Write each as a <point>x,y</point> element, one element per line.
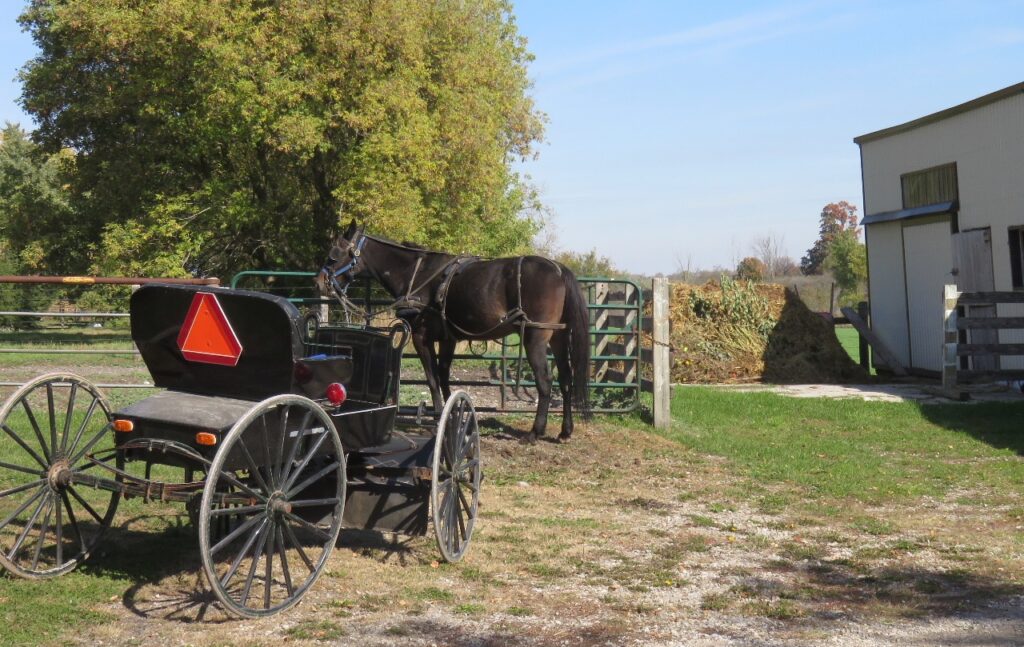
<point>717,33</point>
<point>711,40</point>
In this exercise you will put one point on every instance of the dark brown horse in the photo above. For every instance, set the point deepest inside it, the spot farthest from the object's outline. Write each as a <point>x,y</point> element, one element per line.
<point>447,298</point>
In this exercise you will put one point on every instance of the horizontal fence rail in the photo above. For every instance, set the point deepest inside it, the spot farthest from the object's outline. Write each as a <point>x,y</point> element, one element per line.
<point>104,280</point>
<point>983,337</point>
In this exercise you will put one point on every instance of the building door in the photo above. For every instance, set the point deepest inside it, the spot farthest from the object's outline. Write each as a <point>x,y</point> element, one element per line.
<point>972,269</point>
<point>928,261</point>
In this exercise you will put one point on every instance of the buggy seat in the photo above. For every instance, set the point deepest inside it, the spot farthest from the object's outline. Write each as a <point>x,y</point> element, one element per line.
<point>218,351</point>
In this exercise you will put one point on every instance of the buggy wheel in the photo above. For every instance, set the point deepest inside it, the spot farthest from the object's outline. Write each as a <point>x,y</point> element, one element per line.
<point>272,506</point>
<point>455,486</point>
<point>48,522</point>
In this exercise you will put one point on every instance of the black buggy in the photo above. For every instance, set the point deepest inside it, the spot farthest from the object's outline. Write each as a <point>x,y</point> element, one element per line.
<point>283,436</point>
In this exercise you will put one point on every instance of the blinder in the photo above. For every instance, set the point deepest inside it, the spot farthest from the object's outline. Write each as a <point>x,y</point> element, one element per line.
<point>354,249</point>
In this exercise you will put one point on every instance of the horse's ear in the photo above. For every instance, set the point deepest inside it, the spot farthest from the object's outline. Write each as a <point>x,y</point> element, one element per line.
<point>350,231</point>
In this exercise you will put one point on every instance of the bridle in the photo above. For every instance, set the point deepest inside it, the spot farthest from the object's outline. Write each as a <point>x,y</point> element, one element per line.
<point>354,248</point>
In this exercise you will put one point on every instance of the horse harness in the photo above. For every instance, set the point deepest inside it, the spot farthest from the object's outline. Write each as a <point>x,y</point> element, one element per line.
<point>412,305</point>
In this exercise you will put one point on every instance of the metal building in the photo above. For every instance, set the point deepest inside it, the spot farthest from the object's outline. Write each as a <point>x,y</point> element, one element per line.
<point>944,203</point>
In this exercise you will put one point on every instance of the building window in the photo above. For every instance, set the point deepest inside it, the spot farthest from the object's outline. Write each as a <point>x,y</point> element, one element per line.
<point>1017,257</point>
<point>930,186</point>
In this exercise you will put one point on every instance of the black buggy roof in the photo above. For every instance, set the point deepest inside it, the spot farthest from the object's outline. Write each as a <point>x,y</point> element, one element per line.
<point>244,345</point>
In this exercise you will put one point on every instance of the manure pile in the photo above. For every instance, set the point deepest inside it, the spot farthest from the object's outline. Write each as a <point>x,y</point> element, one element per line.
<point>738,332</point>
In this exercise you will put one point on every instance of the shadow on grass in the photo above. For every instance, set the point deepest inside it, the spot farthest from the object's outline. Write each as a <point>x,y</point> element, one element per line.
<point>998,424</point>
<point>843,588</point>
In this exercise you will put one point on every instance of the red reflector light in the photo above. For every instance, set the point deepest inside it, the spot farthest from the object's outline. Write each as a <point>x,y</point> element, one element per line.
<point>336,393</point>
<point>124,426</point>
<point>206,438</point>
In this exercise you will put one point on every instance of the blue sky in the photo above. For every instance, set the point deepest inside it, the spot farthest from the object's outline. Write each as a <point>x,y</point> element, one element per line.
<point>680,132</point>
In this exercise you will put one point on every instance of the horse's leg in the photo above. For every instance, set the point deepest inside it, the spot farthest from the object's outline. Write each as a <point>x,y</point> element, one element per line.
<point>445,353</point>
<point>425,349</point>
<point>536,342</point>
<point>561,351</point>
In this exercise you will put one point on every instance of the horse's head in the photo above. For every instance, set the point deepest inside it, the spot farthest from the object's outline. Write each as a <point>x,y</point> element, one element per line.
<point>343,263</point>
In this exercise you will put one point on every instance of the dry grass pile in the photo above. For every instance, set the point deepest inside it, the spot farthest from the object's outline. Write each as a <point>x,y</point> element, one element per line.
<point>737,332</point>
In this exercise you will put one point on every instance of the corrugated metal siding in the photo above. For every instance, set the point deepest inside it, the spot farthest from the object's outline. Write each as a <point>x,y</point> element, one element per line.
<point>928,254</point>
<point>888,300</point>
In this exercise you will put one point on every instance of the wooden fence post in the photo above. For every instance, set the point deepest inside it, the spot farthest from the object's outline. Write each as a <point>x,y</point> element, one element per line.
<point>865,358</point>
<point>662,377</point>
<point>950,338</point>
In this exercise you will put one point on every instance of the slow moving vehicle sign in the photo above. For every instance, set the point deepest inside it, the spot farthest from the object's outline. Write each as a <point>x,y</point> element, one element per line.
<point>206,335</point>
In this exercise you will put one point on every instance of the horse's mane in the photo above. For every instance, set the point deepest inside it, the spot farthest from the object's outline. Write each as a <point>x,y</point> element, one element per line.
<point>405,244</point>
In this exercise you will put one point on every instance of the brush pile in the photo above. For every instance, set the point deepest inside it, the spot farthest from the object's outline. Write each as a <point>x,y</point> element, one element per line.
<point>741,332</point>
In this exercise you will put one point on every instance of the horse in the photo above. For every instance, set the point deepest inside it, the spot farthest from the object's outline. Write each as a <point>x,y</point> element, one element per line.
<point>447,298</point>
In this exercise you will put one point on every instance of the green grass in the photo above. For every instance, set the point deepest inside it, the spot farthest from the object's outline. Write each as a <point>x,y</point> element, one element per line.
<point>849,339</point>
<point>871,451</point>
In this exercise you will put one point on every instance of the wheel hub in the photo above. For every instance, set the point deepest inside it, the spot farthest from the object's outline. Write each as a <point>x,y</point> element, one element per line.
<point>278,505</point>
<point>59,476</point>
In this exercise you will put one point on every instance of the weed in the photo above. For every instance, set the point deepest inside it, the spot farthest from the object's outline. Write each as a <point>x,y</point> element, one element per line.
<point>715,602</point>
<point>318,630</point>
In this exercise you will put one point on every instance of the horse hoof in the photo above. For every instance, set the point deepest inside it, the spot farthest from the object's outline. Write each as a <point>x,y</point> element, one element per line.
<point>528,439</point>
<point>564,437</point>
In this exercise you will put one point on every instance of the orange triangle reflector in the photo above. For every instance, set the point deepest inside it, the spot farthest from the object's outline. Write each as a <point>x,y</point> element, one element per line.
<point>206,335</point>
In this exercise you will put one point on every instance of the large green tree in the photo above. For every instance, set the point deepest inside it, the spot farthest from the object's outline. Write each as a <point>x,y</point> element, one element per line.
<point>215,135</point>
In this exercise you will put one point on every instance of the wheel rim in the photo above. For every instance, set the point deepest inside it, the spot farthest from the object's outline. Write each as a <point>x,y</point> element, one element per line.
<point>260,550</point>
<point>455,486</point>
<point>48,523</point>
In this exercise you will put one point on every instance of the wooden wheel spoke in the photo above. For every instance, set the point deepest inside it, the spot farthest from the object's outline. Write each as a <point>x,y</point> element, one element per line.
<point>240,510</point>
<point>89,445</point>
<point>309,503</point>
<point>235,533</point>
<point>23,470</point>
<point>58,530</point>
<point>53,419</point>
<point>305,460</point>
<point>241,555</point>
<point>85,504</point>
<point>25,531</point>
<point>28,450</point>
<point>320,532</point>
<point>24,506</point>
<point>277,467</point>
<point>283,552</point>
<point>254,470</point>
<point>465,503</point>
<point>230,478</point>
<point>469,447</point>
<point>68,413</point>
<point>298,547</point>
<point>21,488</point>
<point>45,530</point>
<point>269,572</point>
<point>85,423</point>
<point>252,569</point>
<point>293,452</point>
<point>35,429</point>
<point>268,465</point>
<point>453,515</point>
<point>73,520</point>
<point>459,509</point>
<point>313,478</point>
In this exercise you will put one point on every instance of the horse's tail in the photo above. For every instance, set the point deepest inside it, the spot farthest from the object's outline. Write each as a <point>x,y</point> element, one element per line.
<point>577,319</point>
